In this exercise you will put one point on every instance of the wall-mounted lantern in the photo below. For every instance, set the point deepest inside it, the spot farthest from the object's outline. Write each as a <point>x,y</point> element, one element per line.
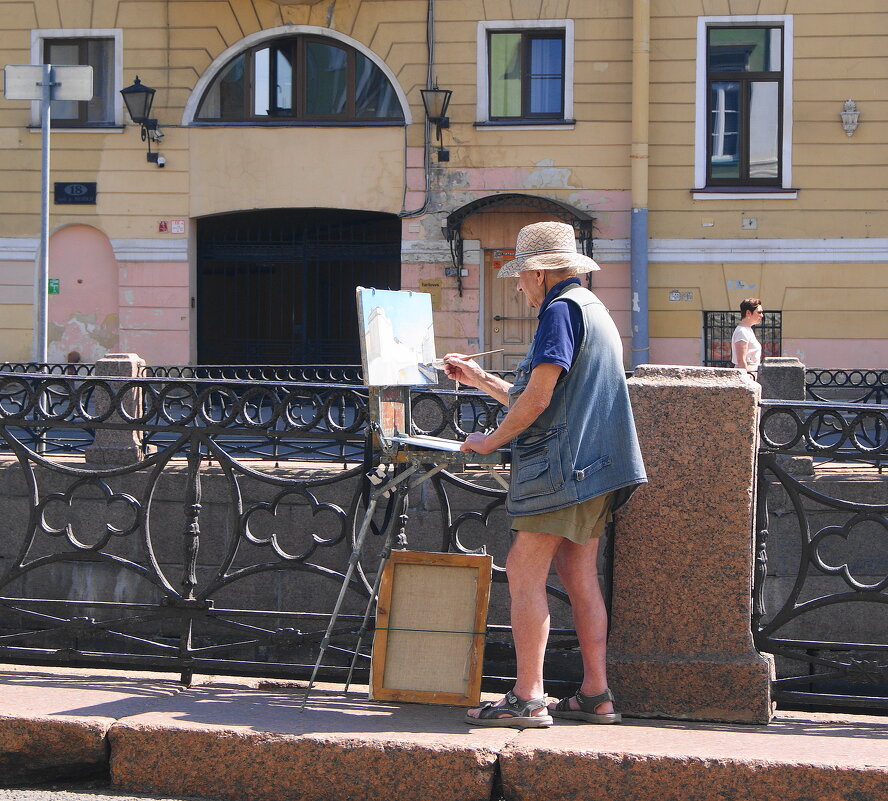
<point>850,116</point>
<point>436,101</point>
<point>138,99</point>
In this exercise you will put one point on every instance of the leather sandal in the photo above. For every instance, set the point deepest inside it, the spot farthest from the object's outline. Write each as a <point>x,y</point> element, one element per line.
<point>588,704</point>
<point>516,713</point>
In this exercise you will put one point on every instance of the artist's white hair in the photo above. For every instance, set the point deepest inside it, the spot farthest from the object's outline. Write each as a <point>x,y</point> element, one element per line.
<point>568,272</point>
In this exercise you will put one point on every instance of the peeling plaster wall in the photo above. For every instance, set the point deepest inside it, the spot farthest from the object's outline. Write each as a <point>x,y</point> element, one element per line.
<point>426,255</point>
<point>83,317</point>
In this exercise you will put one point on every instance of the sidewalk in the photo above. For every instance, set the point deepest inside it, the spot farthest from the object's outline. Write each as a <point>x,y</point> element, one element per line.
<point>247,739</point>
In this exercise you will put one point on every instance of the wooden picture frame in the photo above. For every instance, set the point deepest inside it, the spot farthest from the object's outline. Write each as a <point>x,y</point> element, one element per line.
<point>431,621</point>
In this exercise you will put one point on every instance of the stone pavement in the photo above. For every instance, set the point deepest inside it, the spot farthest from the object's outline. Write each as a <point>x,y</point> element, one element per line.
<point>247,739</point>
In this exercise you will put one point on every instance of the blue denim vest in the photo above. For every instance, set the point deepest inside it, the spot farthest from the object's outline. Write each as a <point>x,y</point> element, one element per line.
<point>584,444</point>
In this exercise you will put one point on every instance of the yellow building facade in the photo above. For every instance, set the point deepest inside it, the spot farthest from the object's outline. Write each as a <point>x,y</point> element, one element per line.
<point>297,162</point>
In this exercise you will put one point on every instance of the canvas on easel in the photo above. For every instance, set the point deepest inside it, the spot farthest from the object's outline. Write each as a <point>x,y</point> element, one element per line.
<point>430,628</point>
<point>397,337</point>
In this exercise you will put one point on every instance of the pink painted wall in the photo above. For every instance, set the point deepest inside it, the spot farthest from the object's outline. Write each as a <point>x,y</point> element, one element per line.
<point>456,322</point>
<point>845,353</point>
<point>104,306</point>
<point>83,317</point>
<point>155,314</point>
<point>676,350</point>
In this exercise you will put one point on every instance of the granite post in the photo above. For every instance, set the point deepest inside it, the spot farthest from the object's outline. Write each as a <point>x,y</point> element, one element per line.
<point>681,640</point>
<point>783,378</point>
<point>117,446</point>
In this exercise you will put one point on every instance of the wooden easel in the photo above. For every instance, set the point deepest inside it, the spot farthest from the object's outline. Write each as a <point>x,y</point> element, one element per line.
<point>390,416</point>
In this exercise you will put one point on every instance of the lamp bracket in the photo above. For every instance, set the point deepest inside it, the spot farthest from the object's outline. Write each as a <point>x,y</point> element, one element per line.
<point>148,128</point>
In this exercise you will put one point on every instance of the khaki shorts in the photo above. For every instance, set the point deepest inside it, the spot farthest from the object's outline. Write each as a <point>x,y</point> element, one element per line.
<point>578,523</point>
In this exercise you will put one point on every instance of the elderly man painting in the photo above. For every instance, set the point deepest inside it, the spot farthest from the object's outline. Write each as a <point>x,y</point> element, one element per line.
<point>575,459</point>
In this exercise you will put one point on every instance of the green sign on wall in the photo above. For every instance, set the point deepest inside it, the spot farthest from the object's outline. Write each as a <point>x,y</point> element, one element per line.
<point>53,286</point>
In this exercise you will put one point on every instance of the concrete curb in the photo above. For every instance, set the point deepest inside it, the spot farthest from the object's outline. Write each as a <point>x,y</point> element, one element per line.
<point>35,749</point>
<point>243,740</point>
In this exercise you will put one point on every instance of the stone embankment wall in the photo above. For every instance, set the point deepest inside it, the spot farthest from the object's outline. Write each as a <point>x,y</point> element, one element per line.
<point>156,532</point>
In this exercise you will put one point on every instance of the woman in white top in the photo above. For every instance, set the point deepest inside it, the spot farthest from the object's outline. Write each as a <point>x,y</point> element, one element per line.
<point>746,349</point>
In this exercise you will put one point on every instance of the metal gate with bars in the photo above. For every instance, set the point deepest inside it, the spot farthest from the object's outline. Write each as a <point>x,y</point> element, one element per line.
<point>277,287</point>
<point>718,326</point>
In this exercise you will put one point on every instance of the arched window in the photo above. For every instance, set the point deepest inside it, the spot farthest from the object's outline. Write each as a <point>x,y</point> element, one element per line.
<point>300,79</point>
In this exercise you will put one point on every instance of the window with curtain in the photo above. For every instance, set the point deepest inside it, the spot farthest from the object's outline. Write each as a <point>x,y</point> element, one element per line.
<point>526,75</point>
<point>97,53</point>
<point>300,79</point>
<point>744,71</point>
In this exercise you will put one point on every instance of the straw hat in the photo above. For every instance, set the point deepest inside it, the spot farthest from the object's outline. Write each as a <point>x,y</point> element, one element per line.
<point>546,246</point>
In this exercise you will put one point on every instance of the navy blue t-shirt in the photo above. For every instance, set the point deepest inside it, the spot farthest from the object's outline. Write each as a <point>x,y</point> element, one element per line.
<point>560,330</point>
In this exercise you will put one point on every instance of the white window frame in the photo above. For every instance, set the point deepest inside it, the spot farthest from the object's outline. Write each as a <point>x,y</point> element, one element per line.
<point>482,111</point>
<point>703,24</point>
<point>37,39</point>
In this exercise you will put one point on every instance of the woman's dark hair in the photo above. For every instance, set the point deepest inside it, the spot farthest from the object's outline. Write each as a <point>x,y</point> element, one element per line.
<point>749,305</point>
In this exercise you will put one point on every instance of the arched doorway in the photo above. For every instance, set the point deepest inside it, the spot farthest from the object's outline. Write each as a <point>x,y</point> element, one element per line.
<point>278,286</point>
<point>494,221</point>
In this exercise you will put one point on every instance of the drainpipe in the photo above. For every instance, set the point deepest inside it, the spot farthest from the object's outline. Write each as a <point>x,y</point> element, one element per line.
<point>638,239</point>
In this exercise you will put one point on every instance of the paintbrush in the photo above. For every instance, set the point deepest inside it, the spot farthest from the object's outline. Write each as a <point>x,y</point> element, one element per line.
<point>439,363</point>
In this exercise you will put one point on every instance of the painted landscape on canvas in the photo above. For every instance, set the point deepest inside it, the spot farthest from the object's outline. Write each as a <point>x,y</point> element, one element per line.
<point>397,337</point>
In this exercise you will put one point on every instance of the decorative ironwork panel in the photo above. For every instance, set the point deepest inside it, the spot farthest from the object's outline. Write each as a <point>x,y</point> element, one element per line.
<point>847,386</point>
<point>330,403</point>
<point>821,573</point>
<point>58,368</point>
<point>847,432</point>
<point>307,373</point>
<point>193,559</point>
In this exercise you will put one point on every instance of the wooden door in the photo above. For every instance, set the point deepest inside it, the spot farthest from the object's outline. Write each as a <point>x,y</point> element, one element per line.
<point>508,322</point>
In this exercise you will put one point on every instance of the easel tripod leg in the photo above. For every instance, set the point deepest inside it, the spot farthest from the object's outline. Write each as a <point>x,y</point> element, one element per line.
<point>352,563</point>
<point>374,593</point>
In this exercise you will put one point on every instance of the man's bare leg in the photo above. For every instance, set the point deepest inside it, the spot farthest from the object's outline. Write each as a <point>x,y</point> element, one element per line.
<point>527,567</point>
<point>577,567</point>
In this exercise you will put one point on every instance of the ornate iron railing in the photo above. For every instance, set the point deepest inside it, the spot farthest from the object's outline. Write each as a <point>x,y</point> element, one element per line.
<point>847,386</point>
<point>314,373</point>
<point>323,421</point>
<point>311,373</point>
<point>191,559</point>
<point>59,414</point>
<point>333,402</point>
<point>818,557</point>
<point>845,432</point>
<point>52,368</point>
